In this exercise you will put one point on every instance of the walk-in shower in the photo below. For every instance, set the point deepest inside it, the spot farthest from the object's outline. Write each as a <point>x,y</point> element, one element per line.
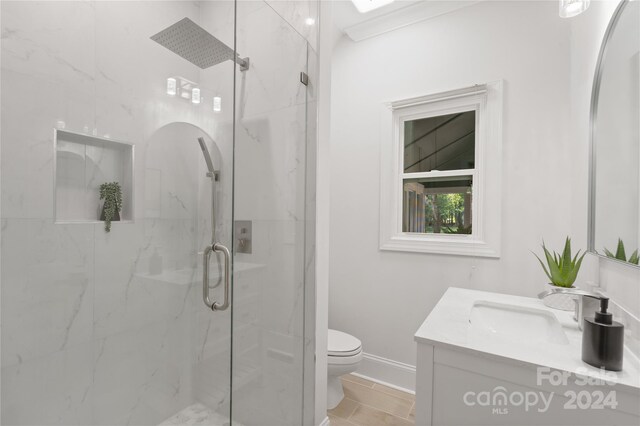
<point>109,327</point>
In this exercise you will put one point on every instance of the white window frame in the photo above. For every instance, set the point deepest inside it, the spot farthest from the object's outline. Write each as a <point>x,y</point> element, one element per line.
<point>486,101</point>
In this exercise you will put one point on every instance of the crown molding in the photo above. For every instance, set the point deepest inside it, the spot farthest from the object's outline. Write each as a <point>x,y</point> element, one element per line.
<point>403,17</point>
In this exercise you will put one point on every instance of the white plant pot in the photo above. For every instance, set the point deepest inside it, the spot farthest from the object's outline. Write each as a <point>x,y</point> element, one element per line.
<point>563,302</point>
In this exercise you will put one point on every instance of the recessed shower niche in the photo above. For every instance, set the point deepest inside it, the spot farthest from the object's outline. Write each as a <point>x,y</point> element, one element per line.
<point>84,162</point>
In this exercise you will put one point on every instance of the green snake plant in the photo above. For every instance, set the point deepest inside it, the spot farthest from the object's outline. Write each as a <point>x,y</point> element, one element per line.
<point>561,268</point>
<point>621,255</point>
<point>111,193</point>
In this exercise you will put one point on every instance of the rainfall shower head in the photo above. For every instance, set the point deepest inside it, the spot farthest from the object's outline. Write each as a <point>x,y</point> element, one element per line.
<point>188,40</point>
<point>207,157</point>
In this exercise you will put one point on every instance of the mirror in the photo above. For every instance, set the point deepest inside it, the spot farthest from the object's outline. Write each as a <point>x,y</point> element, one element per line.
<point>614,220</point>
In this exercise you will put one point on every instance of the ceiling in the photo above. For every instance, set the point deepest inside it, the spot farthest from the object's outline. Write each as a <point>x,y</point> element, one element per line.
<point>345,13</point>
<point>359,26</point>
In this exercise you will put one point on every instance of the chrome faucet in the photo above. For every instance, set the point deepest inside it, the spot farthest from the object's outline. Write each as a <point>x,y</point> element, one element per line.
<point>586,302</point>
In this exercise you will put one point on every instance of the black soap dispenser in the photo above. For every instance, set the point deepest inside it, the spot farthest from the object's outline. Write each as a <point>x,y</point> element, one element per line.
<point>603,339</point>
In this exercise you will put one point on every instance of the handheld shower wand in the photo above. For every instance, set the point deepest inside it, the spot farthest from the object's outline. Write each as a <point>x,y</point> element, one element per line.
<point>207,158</point>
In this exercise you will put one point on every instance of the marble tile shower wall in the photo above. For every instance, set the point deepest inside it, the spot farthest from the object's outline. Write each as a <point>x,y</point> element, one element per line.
<point>86,338</point>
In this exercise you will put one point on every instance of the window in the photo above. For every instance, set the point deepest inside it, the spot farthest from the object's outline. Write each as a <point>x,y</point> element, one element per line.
<point>441,174</point>
<point>432,203</point>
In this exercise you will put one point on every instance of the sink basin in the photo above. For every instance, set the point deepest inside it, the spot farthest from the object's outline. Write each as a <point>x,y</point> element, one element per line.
<point>510,322</point>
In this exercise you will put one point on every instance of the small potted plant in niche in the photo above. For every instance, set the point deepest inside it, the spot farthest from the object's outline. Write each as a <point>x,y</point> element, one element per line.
<point>562,269</point>
<point>111,193</point>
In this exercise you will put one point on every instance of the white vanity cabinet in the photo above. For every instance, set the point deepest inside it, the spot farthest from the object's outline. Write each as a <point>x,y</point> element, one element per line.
<point>483,372</point>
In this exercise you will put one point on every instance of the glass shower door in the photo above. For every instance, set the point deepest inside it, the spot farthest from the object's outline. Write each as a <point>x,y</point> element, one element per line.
<point>270,221</point>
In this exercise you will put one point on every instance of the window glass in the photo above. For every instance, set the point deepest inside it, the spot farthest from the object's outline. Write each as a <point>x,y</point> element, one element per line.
<point>439,205</point>
<point>445,142</point>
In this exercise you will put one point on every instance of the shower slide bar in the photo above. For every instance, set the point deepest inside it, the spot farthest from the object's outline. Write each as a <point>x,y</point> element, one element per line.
<point>214,247</point>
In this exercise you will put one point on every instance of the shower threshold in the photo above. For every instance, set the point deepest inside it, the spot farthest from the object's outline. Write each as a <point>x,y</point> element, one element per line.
<point>197,414</point>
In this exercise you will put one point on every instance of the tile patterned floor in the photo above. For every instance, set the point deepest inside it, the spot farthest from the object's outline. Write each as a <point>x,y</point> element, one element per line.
<point>367,403</point>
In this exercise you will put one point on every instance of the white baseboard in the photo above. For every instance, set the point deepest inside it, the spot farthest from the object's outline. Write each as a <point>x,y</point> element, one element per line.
<point>325,422</point>
<point>388,372</point>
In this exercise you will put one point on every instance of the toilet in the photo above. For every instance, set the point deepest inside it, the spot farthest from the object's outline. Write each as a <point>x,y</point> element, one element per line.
<point>344,356</point>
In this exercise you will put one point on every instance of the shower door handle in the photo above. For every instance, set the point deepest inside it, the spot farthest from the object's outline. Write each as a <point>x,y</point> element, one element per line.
<point>206,257</point>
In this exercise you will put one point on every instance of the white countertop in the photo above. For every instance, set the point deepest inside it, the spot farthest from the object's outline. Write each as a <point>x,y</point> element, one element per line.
<point>448,325</point>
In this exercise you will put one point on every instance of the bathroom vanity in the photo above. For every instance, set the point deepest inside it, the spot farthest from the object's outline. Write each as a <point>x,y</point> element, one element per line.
<point>494,359</point>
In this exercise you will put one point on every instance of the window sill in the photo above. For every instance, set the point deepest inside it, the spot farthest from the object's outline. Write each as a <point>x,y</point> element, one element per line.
<point>447,245</point>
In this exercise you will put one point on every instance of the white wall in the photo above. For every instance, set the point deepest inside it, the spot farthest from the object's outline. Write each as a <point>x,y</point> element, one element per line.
<point>382,297</point>
<point>322,210</point>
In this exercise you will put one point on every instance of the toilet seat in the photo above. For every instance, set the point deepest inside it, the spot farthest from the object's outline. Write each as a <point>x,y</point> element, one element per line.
<point>344,360</point>
<point>344,356</point>
<point>342,345</point>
